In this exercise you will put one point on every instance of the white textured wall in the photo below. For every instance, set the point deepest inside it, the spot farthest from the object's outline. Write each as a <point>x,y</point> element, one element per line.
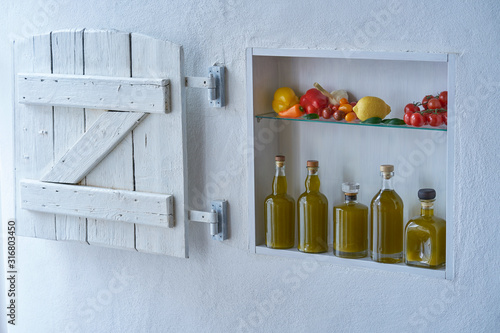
<point>74,288</point>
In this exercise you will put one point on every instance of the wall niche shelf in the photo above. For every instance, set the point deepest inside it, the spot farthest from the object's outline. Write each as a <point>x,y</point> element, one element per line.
<point>273,115</point>
<point>423,157</point>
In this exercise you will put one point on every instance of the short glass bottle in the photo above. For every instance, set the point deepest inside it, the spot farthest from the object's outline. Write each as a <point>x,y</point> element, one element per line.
<point>386,221</point>
<point>312,208</point>
<point>425,235</point>
<point>350,225</point>
<point>279,211</point>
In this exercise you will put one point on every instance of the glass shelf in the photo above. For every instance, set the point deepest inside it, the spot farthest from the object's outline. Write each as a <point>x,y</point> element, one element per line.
<point>357,122</point>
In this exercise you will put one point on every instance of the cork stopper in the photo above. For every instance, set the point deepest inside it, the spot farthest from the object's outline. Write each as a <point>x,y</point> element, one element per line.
<point>312,163</point>
<point>279,158</point>
<point>387,168</point>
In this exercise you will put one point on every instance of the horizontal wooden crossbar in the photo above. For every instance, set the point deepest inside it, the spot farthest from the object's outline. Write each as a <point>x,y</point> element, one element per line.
<point>98,203</point>
<point>95,92</point>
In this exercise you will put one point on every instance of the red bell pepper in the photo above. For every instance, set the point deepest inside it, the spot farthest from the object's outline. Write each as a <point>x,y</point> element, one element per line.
<point>313,101</point>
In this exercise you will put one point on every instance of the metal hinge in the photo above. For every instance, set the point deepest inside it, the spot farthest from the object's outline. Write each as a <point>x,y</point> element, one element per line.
<point>217,218</point>
<point>214,83</point>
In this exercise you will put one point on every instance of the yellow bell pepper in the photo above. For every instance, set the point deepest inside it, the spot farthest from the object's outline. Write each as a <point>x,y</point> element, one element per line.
<point>284,98</point>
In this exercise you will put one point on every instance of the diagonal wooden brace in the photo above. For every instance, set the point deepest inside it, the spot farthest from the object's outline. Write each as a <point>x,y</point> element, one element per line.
<point>104,135</point>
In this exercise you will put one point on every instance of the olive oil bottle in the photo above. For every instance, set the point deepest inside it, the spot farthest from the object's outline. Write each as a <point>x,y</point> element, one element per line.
<point>350,225</point>
<point>312,208</point>
<point>386,221</point>
<point>279,210</point>
<point>425,235</point>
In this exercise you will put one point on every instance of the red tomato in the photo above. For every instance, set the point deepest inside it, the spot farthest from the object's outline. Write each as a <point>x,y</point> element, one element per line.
<point>326,113</point>
<point>425,100</point>
<point>407,118</point>
<point>339,115</point>
<point>435,120</point>
<point>444,115</point>
<point>417,120</point>
<point>443,98</point>
<point>426,118</point>
<point>410,108</point>
<point>433,103</point>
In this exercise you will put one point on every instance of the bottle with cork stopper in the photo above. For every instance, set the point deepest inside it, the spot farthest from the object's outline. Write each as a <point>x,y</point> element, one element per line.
<point>386,221</point>
<point>279,211</point>
<point>425,235</point>
<point>312,207</point>
<point>350,225</point>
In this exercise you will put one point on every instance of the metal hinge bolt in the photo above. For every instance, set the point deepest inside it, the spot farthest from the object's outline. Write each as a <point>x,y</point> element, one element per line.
<point>217,218</point>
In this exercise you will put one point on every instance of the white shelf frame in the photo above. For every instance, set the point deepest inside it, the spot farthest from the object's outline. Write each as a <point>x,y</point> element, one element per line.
<point>447,273</point>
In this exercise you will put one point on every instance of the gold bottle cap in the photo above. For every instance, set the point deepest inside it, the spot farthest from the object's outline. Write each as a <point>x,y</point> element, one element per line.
<point>387,168</point>
<point>279,158</point>
<point>312,163</point>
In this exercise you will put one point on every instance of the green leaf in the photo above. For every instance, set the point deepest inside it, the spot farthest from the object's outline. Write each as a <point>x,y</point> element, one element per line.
<point>396,121</point>
<point>372,120</point>
<point>311,116</point>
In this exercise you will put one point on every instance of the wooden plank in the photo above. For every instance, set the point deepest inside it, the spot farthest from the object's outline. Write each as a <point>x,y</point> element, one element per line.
<point>164,172</point>
<point>104,135</point>
<point>69,123</point>
<point>108,53</point>
<point>98,203</point>
<point>33,135</point>
<point>94,92</point>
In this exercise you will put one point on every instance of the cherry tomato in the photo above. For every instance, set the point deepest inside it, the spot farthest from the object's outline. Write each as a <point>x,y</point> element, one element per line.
<point>433,103</point>
<point>426,118</point>
<point>410,108</point>
<point>339,115</point>
<point>444,115</point>
<point>425,100</point>
<point>345,107</point>
<point>443,98</point>
<point>343,101</point>
<point>435,120</point>
<point>407,118</point>
<point>351,116</point>
<point>353,104</point>
<point>417,120</point>
<point>326,113</point>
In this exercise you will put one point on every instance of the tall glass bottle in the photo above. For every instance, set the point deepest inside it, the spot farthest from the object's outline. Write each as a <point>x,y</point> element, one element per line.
<point>425,235</point>
<point>350,225</point>
<point>313,214</point>
<point>279,210</point>
<point>386,221</point>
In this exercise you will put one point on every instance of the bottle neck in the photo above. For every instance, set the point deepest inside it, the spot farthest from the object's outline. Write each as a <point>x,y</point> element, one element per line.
<point>387,181</point>
<point>427,208</point>
<point>279,181</point>
<point>312,180</point>
<point>351,198</point>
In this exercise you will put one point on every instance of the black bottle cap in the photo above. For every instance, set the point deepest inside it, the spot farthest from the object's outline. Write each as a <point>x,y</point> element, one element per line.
<point>426,194</point>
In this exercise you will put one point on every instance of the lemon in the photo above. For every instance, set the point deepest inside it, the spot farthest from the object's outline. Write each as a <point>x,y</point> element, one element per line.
<point>369,106</point>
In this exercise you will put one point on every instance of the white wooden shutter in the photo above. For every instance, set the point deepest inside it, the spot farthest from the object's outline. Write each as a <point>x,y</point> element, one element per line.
<point>112,177</point>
